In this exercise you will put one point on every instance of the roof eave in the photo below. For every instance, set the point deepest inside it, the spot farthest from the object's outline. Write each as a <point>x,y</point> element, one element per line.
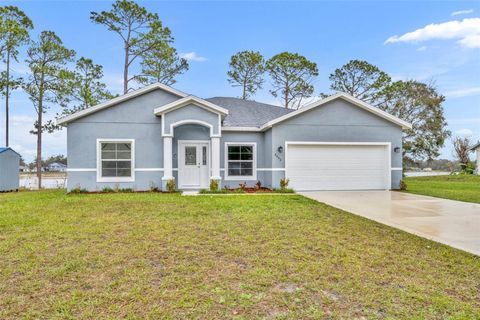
<point>385,115</point>
<point>82,113</point>
<point>190,100</point>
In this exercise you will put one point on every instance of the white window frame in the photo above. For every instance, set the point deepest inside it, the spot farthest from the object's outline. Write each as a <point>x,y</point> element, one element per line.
<point>252,177</point>
<point>99,161</point>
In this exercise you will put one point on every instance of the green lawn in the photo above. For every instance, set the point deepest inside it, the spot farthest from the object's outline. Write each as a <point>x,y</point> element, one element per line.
<point>455,187</point>
<point>168,256</point>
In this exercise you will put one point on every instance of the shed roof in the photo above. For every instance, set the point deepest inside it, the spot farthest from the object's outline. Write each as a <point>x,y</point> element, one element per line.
<point>4,149</point>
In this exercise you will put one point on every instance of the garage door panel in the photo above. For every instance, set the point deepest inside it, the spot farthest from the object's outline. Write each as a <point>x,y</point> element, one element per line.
<point>338,167</point>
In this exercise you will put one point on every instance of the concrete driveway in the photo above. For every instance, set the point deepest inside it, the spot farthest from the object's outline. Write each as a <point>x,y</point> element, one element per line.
<point>454,223</point>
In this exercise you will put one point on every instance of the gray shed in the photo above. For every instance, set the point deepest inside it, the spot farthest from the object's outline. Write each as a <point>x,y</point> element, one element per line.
<point>9,170</point>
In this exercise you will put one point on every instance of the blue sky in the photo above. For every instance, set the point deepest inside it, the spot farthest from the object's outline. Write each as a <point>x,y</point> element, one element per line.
<point>328,33</point>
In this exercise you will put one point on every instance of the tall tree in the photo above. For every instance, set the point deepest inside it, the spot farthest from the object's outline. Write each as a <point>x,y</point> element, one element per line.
<point>361,80</point>
<point>86,87</point>
<point>48,82</point>
<point>246,71</point>
<point>292,76</point>
<point>141,31</point>
<point>161,64</point>
<point>421,105</point>
<point>14,28</point>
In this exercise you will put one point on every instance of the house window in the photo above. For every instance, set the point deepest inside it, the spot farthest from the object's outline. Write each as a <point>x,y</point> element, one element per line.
<point>115,163</point>
<point>240,161</point>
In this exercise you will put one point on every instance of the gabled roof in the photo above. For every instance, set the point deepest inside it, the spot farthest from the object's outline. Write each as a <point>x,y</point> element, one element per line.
<point>346,97</point>
<point>247,113</point>
<point>8,148</point>
<point>190,100</point>
<point>475,146</point>
<point>122,98</point>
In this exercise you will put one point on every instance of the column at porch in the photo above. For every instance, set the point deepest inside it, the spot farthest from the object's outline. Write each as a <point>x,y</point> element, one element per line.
<point>215,141</point>
<point>167,160</point>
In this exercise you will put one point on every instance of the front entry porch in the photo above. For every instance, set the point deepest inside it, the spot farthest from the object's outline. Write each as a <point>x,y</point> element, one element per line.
<point>190,162</point>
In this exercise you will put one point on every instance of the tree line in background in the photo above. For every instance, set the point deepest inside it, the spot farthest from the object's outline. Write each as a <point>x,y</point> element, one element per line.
<point>147,44</point>
<point>147,48</point>
<point>292,78</point>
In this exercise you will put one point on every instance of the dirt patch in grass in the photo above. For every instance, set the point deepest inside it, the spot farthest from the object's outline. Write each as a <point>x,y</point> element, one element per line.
<point>155,255</point>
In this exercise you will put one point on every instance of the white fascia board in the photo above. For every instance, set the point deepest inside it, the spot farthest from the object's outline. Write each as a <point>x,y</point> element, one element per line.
<point>190,100</point>
<point>119,99</point>
<point>247,129</point>
<point>344,96</point>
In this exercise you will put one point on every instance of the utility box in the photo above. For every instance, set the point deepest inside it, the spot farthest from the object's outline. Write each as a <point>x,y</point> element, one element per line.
<point>9,170</point>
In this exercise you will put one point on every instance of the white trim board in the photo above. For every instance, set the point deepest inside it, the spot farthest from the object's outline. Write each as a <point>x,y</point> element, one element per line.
<point>388,145</point>
<point>160,111</point>
<point>99,161</point>
<point>346,97</point>
<point>122,98</point>
<point>225,151</point>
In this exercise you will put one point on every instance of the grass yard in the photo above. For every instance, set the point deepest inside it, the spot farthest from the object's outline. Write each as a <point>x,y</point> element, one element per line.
<point>455,187</point>
<point>167,256</point>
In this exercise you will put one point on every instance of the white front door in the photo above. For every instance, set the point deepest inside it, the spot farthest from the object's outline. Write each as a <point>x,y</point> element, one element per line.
<point>193,164</point>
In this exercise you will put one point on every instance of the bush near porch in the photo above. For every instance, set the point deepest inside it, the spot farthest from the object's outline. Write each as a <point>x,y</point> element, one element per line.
<point>153,255</point>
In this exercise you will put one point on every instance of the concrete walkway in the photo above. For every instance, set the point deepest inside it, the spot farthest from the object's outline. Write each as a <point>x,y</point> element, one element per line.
<point>454,223</point>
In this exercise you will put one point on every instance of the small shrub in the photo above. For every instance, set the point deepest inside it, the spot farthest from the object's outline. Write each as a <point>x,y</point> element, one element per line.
<point>108,190</point>
<point>126,190</point>
<point>243,186</point>
<point>171,187</point>
<point>284,183</point>
<point>78,189</point>
<point>153,187</point>
<point>403,185</point>
<point>258,185</point>
<point>213,185</point>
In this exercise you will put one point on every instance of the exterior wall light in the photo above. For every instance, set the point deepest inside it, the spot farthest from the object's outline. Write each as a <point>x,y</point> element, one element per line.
<point>396,149</point>
<point>280,149</point>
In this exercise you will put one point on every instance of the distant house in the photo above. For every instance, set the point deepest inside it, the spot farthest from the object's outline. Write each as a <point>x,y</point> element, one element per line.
<point>56,167</point>
<point>476,148</point>
<point>9,170</point>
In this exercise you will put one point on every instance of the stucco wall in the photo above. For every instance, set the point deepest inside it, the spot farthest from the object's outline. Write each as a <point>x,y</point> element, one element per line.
<point>132,119</point>
<point>337,121</point>
<point>9,171</point>
<point>192,112</point>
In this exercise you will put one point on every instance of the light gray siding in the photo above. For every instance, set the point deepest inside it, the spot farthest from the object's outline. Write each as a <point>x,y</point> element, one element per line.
<point>132,119</point>
<point>337,121</point>
<point>192,112</point>
<point>9,171</point>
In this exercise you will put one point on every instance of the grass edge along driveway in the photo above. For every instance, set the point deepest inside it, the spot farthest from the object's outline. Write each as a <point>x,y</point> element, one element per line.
<point>167,256</point>
<point>454,187</point>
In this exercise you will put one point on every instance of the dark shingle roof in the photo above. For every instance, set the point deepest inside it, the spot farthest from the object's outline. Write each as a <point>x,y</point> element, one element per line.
<point>246,113</point>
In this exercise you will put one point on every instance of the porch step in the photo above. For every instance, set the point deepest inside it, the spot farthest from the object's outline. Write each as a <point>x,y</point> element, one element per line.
<point>190,193</point>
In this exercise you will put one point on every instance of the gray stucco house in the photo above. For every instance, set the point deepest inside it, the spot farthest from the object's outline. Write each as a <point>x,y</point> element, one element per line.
<point>476,148</point>
<point>149,136</point>
<point>9,170</point>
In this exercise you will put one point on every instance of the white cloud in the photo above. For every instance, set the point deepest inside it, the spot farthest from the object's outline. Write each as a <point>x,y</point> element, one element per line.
<point>466,31</point>
<point>192,56</point>
<point>460,12</point>
<point>464,133</point>
<point>463,92</point>
<point>422,48</point>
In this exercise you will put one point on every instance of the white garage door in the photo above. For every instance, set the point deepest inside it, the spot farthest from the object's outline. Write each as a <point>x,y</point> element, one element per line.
<point>338,167</point>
